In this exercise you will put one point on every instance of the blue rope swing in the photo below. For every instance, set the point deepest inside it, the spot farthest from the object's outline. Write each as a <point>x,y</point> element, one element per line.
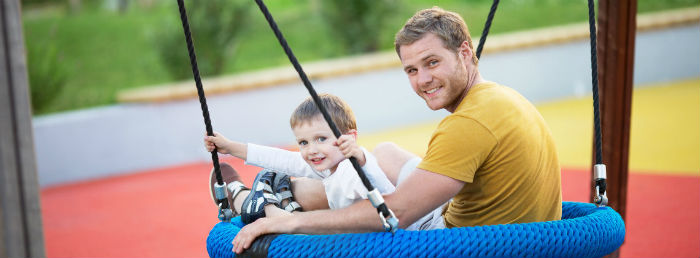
<point>584,231</point>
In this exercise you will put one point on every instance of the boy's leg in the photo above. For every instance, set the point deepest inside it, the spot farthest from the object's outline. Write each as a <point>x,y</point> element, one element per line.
<point>396,162</point>
<point>229,175</point>
<point>270,210</point>
<point>310,193</point>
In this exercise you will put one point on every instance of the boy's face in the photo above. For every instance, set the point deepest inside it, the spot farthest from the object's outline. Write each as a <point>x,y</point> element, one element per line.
<point>317,144</point>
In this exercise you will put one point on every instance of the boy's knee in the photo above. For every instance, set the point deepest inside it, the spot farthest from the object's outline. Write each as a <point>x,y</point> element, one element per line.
<point>385,149</point>
<point>309,193</point>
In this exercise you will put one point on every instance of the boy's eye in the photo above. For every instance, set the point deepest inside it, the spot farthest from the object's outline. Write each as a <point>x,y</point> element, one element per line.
<point>302,143</point>
<point>321,139</point>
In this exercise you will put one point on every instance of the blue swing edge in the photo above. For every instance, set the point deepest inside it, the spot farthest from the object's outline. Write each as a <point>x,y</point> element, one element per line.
<point>584,231</point>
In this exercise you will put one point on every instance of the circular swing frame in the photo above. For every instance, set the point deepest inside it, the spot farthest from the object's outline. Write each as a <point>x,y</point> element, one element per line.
<point>584,231</point>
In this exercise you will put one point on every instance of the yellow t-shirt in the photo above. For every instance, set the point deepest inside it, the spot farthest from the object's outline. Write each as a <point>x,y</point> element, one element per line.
<point>498,143</point>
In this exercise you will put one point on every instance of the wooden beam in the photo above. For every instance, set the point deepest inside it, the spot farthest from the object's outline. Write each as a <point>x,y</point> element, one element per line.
<point>20,215</point>
<point>616,36</point>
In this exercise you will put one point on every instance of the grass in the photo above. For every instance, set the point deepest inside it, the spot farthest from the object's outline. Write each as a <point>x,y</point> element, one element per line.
<point>105,51</point>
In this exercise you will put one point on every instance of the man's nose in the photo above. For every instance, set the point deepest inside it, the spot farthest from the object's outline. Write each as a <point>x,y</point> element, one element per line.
<point>424,78</point>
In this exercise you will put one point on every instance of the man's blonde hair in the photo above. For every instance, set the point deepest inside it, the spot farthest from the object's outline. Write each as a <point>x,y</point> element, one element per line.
<point>448,26</point>
<point>340,112</point>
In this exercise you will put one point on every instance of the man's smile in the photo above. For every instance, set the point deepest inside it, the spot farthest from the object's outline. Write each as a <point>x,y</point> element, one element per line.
<point>432,92</point>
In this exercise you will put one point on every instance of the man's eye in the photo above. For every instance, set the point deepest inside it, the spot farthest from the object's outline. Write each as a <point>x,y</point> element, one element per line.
<point>411,71</point>
<point>433,63</point>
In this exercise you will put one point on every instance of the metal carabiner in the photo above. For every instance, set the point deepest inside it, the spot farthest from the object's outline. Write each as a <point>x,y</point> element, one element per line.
<point>225,215</point>
<point>391,224</point>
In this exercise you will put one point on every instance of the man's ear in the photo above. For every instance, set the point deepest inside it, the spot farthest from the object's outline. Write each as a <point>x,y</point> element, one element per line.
<point>465,51</point>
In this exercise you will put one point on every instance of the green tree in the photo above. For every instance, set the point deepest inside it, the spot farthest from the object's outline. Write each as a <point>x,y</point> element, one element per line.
<point>216,26</point>
<point>357,23</point>
<point>47,76</point>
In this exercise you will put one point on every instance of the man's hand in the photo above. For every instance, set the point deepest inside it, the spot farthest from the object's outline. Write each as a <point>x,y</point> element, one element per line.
<point>347,145</point>
<point>250,232</point>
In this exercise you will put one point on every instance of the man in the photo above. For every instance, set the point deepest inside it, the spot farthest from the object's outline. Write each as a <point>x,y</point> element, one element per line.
<point>493,157</point>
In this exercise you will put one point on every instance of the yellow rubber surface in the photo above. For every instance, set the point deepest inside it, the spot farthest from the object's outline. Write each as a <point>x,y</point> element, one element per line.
<point>664,137</point>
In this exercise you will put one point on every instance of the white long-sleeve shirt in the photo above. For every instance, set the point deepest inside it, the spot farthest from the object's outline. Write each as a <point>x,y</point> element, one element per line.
<point>343,187</point>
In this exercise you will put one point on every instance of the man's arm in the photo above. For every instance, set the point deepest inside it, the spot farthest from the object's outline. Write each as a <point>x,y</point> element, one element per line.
<point>420,193</point>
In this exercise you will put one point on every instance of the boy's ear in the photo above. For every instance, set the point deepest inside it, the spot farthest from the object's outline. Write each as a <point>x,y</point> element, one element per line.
<point>353,132</point>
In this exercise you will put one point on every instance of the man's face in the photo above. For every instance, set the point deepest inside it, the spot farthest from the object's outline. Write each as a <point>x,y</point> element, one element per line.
<point>437,74</point>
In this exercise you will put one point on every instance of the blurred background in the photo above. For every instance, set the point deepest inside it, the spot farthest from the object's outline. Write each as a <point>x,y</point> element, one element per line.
<point>125,176</point>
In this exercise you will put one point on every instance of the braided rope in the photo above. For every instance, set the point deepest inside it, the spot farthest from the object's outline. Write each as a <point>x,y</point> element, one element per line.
<point>200,91</point>
<point>594,75</point>
<point>584,231</point>
<point>381,208</point>
<point>487,27</point>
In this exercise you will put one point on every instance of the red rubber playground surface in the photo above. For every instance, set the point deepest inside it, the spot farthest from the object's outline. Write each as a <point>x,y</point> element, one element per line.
<point>167,212</point>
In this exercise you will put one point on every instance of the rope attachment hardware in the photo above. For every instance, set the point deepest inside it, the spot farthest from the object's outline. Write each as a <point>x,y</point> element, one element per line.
<point>220,193</point>
<point>389,220</point>
<point>382,209</point>
<point>599,176</point>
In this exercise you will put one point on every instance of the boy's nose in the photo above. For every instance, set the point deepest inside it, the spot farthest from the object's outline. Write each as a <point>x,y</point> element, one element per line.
<point>312,148</point>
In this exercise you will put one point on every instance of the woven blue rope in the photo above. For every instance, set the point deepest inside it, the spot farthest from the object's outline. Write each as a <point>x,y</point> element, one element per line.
<point>584,231</point>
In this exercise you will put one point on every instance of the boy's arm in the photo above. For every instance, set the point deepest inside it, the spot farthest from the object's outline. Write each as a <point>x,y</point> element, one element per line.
<point>375,174</point>
<point>288,162</point>
<point>226,146</point>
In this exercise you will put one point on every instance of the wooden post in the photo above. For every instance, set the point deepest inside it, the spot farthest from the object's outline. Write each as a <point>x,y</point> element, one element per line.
<point>20,215</point>
<point>616,36</point>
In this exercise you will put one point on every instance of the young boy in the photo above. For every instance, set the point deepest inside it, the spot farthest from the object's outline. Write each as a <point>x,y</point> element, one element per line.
<point>321,156</point>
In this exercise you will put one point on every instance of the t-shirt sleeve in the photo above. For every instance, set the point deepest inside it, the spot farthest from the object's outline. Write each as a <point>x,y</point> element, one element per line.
<point>288,162</point>
<point>376,175</point>
<point>458,147</point>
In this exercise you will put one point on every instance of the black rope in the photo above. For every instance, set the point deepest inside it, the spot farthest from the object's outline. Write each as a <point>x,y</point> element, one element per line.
<point>200,91</point>
<point>594,75</point>
<point>599,182</point>
<point>487,27</point>
<point>314,96</point>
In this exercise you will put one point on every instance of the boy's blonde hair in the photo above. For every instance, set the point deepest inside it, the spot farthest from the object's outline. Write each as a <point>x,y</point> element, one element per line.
<point>340,112</point>
<point>448,26</point>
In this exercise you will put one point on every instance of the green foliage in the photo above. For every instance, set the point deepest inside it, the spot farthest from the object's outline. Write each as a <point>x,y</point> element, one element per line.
<point>104,52</point>
<point>216,26</point>
<point>35,2</point>
<point>47,75</point>
<point>358,24</point>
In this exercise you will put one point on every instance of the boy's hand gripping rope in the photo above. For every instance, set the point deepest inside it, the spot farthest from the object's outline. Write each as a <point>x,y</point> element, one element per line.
<point>389,220</point>
<point>225,213</point>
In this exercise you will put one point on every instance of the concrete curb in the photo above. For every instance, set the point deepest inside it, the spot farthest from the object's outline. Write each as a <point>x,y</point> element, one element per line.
<point>382,60</point>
